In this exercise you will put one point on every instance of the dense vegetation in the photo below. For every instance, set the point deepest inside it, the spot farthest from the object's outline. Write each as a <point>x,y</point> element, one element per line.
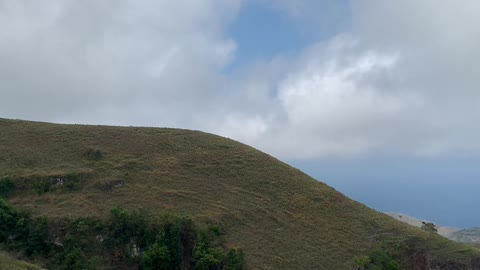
<point>125,238</point>
<point>70,177</point>
<point>377,260</point>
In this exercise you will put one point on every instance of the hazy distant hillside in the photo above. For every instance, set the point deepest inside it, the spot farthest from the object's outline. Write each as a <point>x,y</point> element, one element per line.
<point>444,231</point>
<point>72,176</point>
<point>471,235</point>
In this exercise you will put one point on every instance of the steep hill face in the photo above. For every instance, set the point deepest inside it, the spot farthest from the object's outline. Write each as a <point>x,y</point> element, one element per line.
<point>280,217</point>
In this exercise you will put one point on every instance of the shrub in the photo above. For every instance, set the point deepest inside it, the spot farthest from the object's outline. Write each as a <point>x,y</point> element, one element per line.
<point>156,257</point>
<point>234,260</point>
<point>74,259</point>
<point>378,260</point>
<point>209,253</point>
<point>6,187</point>
<point>361,262</point>
<point>8,220</point>
<point>429,227</point>
<point>209,258</point>
<point>72,180</point>
<point>38,235</point>
<point>42,185</point>
<point>382,260</point>
<point>67,182</point>
<point>124,226</point>
<point>93,154</point>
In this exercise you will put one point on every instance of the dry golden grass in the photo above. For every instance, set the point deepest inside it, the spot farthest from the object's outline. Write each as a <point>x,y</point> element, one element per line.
<point>280,217</point>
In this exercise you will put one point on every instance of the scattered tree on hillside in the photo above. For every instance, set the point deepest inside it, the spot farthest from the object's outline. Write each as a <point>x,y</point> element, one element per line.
<point>429,227</point>
<point>378,260</point>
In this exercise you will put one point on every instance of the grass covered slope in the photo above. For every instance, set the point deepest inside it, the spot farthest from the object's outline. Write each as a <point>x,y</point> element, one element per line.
<point>7,262</point>
<point>280,217</point>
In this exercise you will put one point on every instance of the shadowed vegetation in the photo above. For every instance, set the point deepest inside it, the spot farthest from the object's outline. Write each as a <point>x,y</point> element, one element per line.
<point>125,240</point>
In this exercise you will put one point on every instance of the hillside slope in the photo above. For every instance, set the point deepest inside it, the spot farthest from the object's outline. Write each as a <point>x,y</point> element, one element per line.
<point>7,262</point>
<point>443,231</point>
<point>280,217</point>
<point>470,235</point>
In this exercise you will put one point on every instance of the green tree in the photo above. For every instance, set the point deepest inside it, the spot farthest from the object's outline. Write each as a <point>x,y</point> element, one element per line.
<point>157,257</point>
<point>234,260</point>
<point>124,228</point>
<point>37,241</point>
<point>6,187</point>
<point>8,220</point>
<point>209,259</point>
<point>361,262</point>
<point>429,227</point>
<point>75,259</point>
<point>381,260</point>
<point>378,260</point>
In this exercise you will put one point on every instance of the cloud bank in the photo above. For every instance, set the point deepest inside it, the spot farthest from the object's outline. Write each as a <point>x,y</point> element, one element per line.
<point>402,79</point>
<point>118,62</point>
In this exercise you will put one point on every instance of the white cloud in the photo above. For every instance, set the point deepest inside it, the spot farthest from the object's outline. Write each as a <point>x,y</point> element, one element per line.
<point>331,103</point>
<point>91,61</point>
<point>242,128</point>
<point>402,80</point>
<point>329,89</point>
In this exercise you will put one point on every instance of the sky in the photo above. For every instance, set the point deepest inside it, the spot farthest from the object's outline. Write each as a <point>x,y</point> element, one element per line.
<point>377,98</point>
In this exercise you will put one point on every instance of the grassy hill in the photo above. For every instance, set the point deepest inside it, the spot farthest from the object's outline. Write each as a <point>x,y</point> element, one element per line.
<point>7,262</point>
<point>470,235</point>
<point>442,230</point>
<point>280,217</point>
